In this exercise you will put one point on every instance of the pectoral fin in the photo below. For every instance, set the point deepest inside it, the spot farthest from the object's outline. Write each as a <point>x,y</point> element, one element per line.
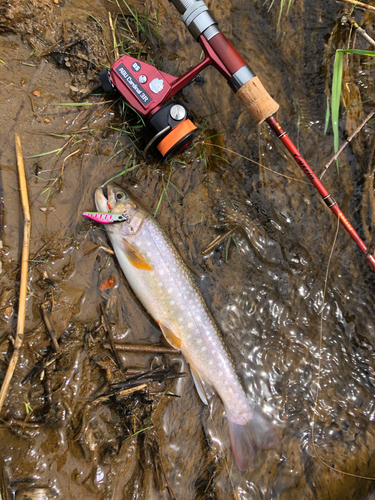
<point>170,336</point>
<point>134,257</point>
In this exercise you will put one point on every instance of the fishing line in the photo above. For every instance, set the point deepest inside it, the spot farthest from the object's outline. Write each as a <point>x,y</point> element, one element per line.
<point>256,163</point>
<point>318,456</point>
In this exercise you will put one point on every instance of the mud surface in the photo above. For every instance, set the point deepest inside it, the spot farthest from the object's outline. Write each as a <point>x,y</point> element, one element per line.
<point>66,430</point>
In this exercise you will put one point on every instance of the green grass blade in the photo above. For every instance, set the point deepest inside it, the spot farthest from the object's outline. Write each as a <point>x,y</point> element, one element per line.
<point>369,53</point>
<point>281,8</point>
<point>77,103</point>
<point>124,172</point>
<point>328,114</point>
<point>336,94</point>
<point>48,153</point>
<point>159,202</point>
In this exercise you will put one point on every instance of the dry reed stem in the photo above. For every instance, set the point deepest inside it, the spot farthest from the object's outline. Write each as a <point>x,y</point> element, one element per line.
<point>359,4</point>
<point>348,140</point>
<point>115,49</point>
<point>24,272</point>
<point>1,225</point>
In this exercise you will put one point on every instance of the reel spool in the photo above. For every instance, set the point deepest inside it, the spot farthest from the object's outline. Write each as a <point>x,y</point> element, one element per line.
<point>169,130</point>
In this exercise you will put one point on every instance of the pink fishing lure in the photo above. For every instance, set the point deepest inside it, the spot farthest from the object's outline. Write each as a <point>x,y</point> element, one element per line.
<point>106,217</point>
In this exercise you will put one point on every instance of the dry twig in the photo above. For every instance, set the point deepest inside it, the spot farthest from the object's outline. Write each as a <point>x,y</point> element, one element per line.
<point>217,241</point>
<point>360,4</point>
<point>141,348</point>
<point>348,140</point>
<point>361,31</point>
<point>24,272</point>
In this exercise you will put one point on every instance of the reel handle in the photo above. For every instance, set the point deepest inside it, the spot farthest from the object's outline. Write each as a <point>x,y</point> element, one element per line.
<point>257,100</point>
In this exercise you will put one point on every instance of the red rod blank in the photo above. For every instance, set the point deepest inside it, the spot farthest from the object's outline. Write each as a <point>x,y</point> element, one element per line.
<point>328,199</point>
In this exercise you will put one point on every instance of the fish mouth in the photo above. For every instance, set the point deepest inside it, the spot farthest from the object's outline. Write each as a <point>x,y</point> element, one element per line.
<point>103,203</point>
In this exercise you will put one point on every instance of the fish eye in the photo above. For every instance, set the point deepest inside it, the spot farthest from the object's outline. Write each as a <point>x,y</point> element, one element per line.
<point>120,196</point>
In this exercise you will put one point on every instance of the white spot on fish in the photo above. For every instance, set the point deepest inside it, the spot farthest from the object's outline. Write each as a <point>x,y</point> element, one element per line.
<point>160,284</point>
<point>172,302</point>
<point>162,272</point>
<point>149,254</point>
<point>170,290</point>
<point>190,325</point>
<point>211,362</point>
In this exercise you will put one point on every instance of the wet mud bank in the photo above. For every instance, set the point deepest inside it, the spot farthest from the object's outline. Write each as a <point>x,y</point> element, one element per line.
<point>90,418</point>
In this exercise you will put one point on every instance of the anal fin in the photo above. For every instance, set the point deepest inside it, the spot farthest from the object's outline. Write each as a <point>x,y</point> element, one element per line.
<point>134,257</point>
<point>199,383</point>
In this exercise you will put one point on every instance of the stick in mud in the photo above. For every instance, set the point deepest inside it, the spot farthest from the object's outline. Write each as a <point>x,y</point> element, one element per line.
<point>142,348</point>
<point>24,273</point>
<point>47,320</point>
<point>108,330</point>
<point>1,221</point>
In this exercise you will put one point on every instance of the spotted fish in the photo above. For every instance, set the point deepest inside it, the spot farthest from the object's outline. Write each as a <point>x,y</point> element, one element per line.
<point>165,286</point>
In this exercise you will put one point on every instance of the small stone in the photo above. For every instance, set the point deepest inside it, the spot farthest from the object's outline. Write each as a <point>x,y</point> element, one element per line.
<point>56,2</point>
<point>43,209</point>
<point>36,93</point>
<point>68,64</point>
<point>47,120</point>
<point>8,311</point>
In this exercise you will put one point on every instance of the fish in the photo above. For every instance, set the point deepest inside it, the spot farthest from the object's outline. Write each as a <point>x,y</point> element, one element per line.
<point>167,289</point>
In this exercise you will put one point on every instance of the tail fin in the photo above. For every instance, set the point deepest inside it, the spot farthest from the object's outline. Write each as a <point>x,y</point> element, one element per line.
<point>246,439</point>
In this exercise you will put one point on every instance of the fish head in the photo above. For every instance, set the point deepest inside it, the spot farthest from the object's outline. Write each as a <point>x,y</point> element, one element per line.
<point>120,201</point>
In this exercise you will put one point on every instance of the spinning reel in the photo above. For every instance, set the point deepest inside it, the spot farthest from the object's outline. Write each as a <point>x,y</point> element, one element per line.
<point>168,129</point>
<point>148,90</point>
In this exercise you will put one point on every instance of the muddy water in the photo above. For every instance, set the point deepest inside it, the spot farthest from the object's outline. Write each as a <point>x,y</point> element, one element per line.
<point>264,286</point>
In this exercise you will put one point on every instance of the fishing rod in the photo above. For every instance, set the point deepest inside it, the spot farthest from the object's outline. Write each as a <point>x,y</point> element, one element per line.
<point>168,128</point>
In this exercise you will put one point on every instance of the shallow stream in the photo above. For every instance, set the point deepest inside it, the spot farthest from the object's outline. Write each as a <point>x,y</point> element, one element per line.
<point>264,284</point>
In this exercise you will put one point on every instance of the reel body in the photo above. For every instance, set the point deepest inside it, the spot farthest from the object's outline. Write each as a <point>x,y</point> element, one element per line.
<point>148,90</point>
<point>168,127</point>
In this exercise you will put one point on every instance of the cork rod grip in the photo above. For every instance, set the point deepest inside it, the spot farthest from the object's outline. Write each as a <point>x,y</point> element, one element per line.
<point>257,100</point>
